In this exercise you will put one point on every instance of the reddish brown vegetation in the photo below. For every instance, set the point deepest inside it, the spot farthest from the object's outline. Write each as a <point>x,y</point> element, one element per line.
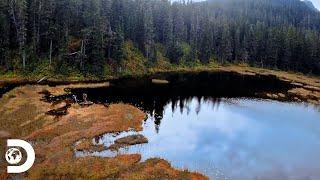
<point>24,116</point>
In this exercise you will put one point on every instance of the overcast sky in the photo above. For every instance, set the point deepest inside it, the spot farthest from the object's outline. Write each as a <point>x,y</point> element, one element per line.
<point>316,3</point>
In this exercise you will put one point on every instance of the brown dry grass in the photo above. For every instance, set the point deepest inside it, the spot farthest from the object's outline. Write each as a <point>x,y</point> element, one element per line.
<point>309,85</point>
<point>286,76</point>
<point>58,90</point>
<point>23,117</point>
<point>85,168</point>
<point>157,169</point>
<point>88,146</point>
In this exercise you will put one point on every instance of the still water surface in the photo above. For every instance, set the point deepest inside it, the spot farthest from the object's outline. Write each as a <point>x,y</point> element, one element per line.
<point>232,138</point>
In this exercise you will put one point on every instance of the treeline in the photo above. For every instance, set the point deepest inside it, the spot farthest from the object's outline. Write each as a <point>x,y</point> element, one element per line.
<point>94,35</point>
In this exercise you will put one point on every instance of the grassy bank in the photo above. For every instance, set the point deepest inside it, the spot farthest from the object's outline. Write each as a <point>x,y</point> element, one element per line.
<point>160,68</point>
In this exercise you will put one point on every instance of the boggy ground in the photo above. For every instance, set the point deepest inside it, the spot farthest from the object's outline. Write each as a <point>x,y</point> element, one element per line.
<point>23,116</point>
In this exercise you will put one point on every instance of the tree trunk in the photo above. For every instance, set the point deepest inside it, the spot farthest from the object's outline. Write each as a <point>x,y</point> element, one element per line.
<point>19,24</point>
<point>50,53</point>
<point>82,53</point>
<point>24,58</point>
<point>39,22</point>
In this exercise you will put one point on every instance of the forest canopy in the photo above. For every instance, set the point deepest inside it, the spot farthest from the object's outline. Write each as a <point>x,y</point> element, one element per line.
<point>105,36</point>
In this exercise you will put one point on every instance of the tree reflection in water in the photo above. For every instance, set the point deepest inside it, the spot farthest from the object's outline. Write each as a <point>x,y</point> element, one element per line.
<point>183,87</point>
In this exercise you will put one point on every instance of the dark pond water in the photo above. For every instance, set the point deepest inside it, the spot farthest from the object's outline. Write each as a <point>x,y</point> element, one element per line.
<point>216,124</point>
<point>5,89</point>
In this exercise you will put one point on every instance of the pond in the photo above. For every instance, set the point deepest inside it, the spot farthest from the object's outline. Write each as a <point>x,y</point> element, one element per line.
<point>233,139</point>
<point>221,129</point>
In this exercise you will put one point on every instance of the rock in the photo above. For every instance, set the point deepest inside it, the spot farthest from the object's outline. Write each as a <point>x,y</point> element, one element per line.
<point>159,81</point>
<point>281,95</point>
<point>269,95</point>
<point>128,141</point>
<point>296,99</point>
<point>272,96</point>
<point>285,80</point>
<point>297,84</point>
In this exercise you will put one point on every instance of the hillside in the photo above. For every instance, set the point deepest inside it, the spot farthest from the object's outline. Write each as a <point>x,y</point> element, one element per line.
<point>107,37</point>
<point>310,5</point>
